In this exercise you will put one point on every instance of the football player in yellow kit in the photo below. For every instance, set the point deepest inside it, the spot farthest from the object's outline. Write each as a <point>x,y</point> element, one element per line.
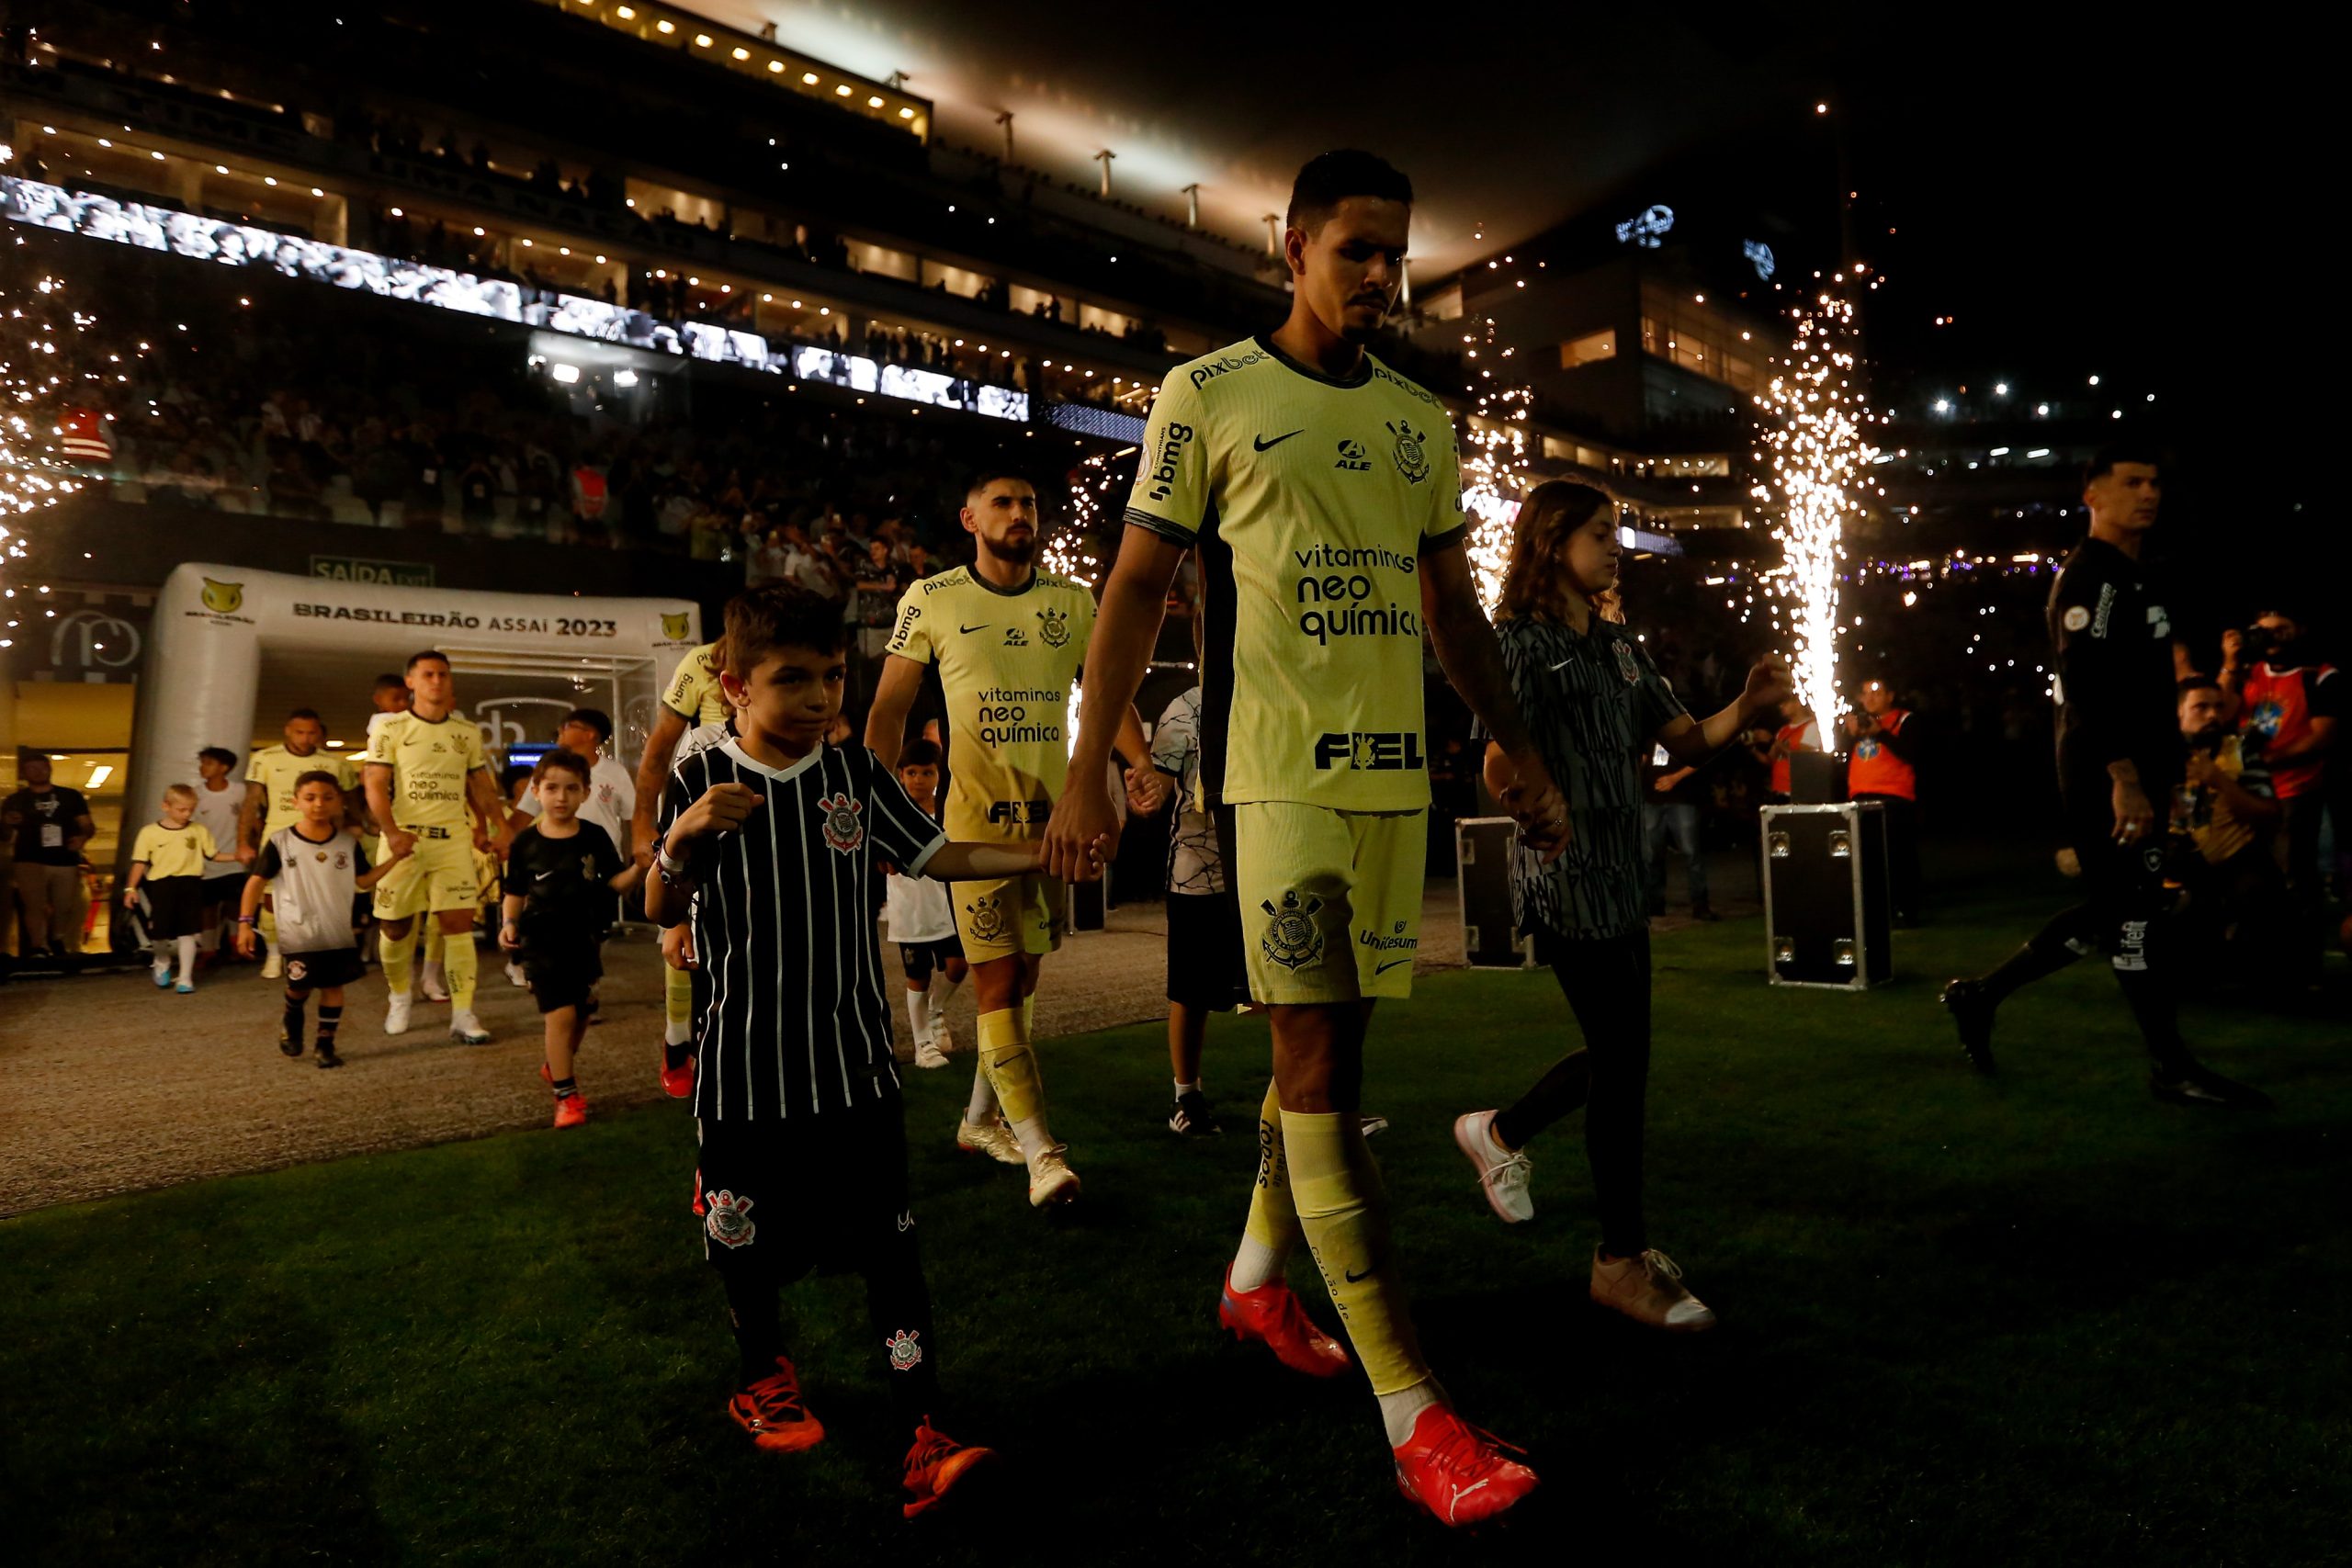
<point>1007,637</point>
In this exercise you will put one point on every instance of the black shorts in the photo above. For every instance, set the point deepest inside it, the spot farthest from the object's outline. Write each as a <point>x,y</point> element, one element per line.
<point>1207,967</point>
<point>776,1188</point>
<point>219,890</point>
<point>920,958</point>
<point>175,906</point>
<point>324,971</point>
<point>562,979</point>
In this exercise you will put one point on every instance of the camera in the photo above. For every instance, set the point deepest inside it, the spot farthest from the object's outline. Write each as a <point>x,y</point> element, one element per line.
<point>2256,643</point>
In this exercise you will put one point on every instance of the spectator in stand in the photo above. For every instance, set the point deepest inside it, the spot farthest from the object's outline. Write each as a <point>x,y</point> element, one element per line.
<point>2225,808</point>
<point>52,824</point>
<point>1884,768</point>
<point>877,586</point>
<point>1799,731</point>
<point>2289,707</point>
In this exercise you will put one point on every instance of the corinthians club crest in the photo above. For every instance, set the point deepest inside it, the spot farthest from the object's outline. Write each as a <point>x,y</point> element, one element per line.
<point>1053,626</point>
<point>1292,939</point>
<point>906,1355</point>
<point>988,917</point>
<point>729,1221</point>
<point>843,829</point>
<point>1411,453</point>
<point>1625,665</point>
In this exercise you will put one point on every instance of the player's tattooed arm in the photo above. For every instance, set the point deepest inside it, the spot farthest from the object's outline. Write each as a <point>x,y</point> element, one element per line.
<point>1132,602</point>
<point>980,862</point>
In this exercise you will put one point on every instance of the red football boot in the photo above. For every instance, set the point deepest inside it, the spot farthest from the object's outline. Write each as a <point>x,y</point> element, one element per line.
<point>771,1411</point>
<point>677,1082</point>
<point>935,1464</point>
<point>1271,1315</point>
<point>1457,1471</point>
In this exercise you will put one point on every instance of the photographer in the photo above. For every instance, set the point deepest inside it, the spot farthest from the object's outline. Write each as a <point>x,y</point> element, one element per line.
<point>2288,710</point>
<point>1884,767</point>
<point>2225,809</point>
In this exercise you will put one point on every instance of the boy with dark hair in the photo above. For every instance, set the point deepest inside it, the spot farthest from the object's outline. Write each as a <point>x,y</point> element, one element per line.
<point>217,807</point>
<point>922,924</point>
<point>768,845</point>
<point>560,876</point>
<point>312,872</point>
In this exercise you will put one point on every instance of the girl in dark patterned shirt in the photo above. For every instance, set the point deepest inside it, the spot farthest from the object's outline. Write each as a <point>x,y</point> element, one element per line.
<point>1595,706</point>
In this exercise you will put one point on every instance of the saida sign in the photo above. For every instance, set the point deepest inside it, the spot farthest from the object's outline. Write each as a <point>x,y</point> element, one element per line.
<point>354,569</point>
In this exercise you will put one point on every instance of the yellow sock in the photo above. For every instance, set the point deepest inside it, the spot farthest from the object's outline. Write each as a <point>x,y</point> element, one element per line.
<point>1272,1230</point>
<point>1343,1210</point>
<point>459,967</point>
<point>1028,1007</point>
<point>436,944</point>
<point>396,954</point>
<point>267,924</point>
<point>677,1006</point>
<point>1012,1068</point>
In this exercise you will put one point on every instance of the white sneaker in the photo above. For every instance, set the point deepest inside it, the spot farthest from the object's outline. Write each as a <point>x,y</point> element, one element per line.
<point>467,1029</point>
<point>395,1014</point>
<point>941,1040</point>
<point>515,976</point>
<point>1051,1180</point>
<point>995,1139</point>
<point>929,1055</point>
<point>430,985</point>
<point>1649,1290</point>
<point>273,966</point>
<point>1502,1174</point>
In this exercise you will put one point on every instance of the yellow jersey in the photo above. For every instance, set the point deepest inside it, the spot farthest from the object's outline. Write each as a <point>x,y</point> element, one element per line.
<point>1311,501</point>
<point>174,851</point>
<point>430,760</point>
<point>692,693</point>
<point>275,769</point>
<point>1007,659</point>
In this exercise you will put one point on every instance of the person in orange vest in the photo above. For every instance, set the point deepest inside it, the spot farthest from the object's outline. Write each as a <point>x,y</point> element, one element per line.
<point>1883,766</point>
<point>1799,731</point>
<point>2288,707</point>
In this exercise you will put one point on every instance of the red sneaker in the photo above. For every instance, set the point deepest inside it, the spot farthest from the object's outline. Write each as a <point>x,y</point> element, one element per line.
<point>1457,1471</point>
<point>677,1082</point>
<point>1272,1313</point>
<point>570,1109</point>
<point>936,1463</point>
<point>771,1411</point>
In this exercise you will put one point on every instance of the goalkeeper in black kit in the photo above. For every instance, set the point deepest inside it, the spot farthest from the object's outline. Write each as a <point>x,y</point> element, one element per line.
<point>2119,759</point>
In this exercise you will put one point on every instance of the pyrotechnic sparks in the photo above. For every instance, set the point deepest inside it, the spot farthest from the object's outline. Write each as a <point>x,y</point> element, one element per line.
<point>1809,426</point>
<point>39,437</point>
<point>1070,549</point>
<point>1494,447</point>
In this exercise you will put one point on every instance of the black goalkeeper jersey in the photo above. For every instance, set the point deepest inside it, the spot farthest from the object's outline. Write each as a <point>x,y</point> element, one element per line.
<point>2112,639</point>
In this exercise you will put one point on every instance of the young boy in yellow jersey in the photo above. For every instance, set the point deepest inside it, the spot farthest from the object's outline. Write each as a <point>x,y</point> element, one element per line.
<point>1008,638</point>
<point>168,862</point>
<point>269,805</point>
<point>424,768</point>
<point>1323,493</point>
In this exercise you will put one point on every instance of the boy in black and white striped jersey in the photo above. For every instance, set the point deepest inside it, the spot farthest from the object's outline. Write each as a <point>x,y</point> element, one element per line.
<point>768,845</point>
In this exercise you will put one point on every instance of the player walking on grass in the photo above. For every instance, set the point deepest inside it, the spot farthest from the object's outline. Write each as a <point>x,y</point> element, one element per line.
<point>269,806</point>
<point>1009,639</point>
<point>1596,707</point>
<point>2119,752</point>
<point>312,872</point>
<point>922,924</point>
<point>424,768</point>
<point>561,874</point>
<point>768,846</point>
<point>1323,493</point>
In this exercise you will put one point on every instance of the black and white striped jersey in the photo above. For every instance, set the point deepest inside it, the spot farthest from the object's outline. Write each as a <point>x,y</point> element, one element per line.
<point>794,1023</point>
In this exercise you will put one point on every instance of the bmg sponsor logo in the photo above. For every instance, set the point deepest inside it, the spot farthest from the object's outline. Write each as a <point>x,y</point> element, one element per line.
<point>1370,750</point>
<point>1172,451</point>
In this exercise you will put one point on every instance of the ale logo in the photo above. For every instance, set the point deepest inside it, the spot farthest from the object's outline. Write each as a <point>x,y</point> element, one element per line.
<point>673,627</point>
<point>223,598</point>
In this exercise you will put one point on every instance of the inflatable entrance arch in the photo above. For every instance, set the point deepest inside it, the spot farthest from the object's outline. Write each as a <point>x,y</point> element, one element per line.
<point>214,625</point>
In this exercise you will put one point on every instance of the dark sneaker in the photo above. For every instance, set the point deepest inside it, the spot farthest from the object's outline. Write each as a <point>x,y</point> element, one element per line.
<point>327,1058</point>
<point>2194,1084</point>
<point>1191,1118</point>
<point>1971,1008</point>
<point>288,1043</point>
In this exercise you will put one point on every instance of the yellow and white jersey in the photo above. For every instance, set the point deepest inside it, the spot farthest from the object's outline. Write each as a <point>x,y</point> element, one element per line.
<point>275,769</point>
<point>692,693</point>
<point>1007,659</point>
<point>167,851</point>
<point>430,760</point>
<point>1311,501</point>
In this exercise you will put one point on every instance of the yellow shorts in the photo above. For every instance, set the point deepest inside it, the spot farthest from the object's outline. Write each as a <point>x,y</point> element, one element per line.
<point>1018,914</point>
<point>442,874</point>
<point>1330,901</point>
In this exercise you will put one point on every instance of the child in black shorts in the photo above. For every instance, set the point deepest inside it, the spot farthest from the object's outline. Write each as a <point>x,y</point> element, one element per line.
<point>310,873</point>
<point>560,876</point>
<point>168,860</point>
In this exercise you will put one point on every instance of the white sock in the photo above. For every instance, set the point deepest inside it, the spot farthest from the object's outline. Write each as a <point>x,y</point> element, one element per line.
<point>941,988</point>
<point>1034,1139</point>
<point>982,1110</point>
<point>429,974</point>
<point>269,943</point>
<point>1399,1411</point>
<point>187,949</point>
<point>1182,1089</point>
<point>679,1034</point>
<point>1257,1264</point>
<point>919,1011</point>
<point>164,953</point>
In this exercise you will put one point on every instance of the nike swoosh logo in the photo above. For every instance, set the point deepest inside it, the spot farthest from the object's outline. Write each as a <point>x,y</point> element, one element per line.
<point>968,631</point>
<point>1356,1279</point>
<point>1384,968</point>
<point>1262,444</point>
